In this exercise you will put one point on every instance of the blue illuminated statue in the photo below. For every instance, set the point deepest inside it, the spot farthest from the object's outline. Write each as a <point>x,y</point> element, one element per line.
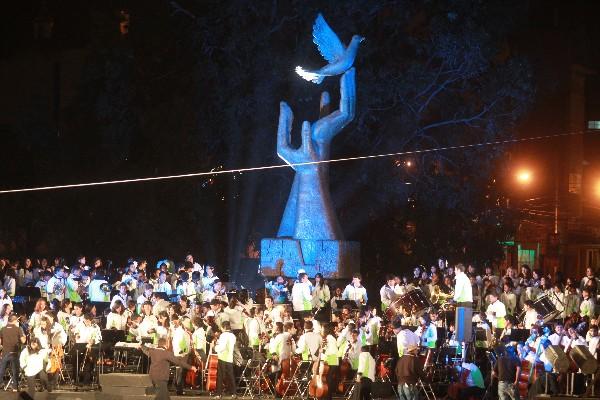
<point>309,236</point>
<point>339,57</point>
<point>309,212</point>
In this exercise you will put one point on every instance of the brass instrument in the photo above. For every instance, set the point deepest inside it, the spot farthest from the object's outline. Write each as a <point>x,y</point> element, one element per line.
<point>105,287</point>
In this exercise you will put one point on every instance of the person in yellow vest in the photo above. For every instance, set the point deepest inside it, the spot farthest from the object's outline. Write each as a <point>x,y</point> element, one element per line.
<point>387,293</point>
<point>496,314</point>
<point>330,352</point>
<point>181,344</point>
<point>365,375</point>
<point>309,342</point>
<point>72,284</point>
<point>224,348</point>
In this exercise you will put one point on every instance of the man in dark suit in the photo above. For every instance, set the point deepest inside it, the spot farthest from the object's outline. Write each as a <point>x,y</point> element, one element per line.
<point>160,361</point>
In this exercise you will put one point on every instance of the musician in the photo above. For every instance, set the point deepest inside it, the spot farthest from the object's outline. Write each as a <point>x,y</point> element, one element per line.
<point>161,358</point>
<point>215,292</point>
<point>185,287</point>
<point>39,310</point>
<point>10,281</point>
<point>531,315</point>
<point>330,353</point>
<point>365,375</point>
<point>116,319</point>
<point>508,297</point>
<point>337,295</point>
<point>87,335</point>
<point>199,338</point>
<point>77,316</point>
<point>43,283</point>
<point>5,312</point>
<point>224,348</point>
<point>559,337</point>
<point>496,312</point>
<point>587,308</point>
<point>301,295</point>
<point>405,338</point>
<point>475,386</point>
<point>489,274</point>
<point>252,327</point>
<point>321,293</point>
<point>72,284</point>
<point>130,276</point>
<point>146,296</point>
<point>210,277</point>
<point>147,328</point>
<point>355,291</point>
<point>387,293</point>
<point>11,337</point>
<point>573,339</point>
<point>162,285</point>
<point>56,285</point>
<point>463,291</point>
<point>281,347</point>
<point>95,289</point>
<point>531,344</point>
<point>507,369</point>
<point>50,333</point>
<point>122,296</point>
<point>33,360</point>
<point>181,345</point>
<point>427,331</point>
<point>278,290</point>
<point>309,342</point>
<point>409,371</point>
<point>4,298</point>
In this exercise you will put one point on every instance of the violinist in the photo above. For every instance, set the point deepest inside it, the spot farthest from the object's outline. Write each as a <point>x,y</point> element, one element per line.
<point>332,359</point>
<point>147,296</point>
<point>199,338</point>
<point>559,337</point>
<point>365,375</point>
<point>33,360</point>
<point>253,327</point>
<point>224,348</point>
<point>147,328</point>
<point>573,339</point>
<point>117,319</point>
<point>4,298</point>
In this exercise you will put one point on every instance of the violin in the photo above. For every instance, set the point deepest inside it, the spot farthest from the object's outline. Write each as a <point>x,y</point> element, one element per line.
<point>318,388</point>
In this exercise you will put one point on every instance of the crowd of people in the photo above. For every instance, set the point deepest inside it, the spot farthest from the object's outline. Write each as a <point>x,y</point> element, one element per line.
<point>53,314</point>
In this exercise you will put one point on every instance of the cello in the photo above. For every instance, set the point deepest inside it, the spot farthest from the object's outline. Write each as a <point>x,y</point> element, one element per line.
<point>211,366</point>
<point>345,368</point>
<point>317,388</point>
<point>288,367</point>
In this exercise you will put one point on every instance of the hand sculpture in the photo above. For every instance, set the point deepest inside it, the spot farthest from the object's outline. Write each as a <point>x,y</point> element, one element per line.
<point>309,213</point>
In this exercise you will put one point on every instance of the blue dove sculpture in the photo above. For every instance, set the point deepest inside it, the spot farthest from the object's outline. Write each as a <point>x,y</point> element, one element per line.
<point>339,57</point>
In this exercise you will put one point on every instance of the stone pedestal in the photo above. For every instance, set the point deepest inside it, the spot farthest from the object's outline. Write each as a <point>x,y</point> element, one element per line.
<point>335,259</point>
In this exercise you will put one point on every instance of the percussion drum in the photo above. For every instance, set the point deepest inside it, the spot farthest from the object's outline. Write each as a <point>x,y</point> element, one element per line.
<point>545,307</point>
<point>394,309</point>
<point>415,301</point>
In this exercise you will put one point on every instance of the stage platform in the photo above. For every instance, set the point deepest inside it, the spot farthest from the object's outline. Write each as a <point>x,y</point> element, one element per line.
<point>97,395</point>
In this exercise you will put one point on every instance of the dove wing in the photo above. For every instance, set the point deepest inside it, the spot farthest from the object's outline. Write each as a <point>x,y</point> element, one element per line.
<point>328,43</point>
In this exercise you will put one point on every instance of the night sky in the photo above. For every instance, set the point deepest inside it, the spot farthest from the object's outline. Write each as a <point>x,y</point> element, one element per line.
<point>105,90</point>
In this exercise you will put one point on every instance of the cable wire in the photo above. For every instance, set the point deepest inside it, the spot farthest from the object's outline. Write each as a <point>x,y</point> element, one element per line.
<point>268,167</point>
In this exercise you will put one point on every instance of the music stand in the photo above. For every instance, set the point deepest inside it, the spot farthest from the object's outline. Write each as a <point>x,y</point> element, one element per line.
<point>350,303</point>
<point>113,335</point>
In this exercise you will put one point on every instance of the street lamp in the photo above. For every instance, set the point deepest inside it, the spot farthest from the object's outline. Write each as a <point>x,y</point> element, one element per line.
<point>524,176</point>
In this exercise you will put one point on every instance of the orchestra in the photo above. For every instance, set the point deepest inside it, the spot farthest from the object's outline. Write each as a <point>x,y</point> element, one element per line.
<point>331,331</point>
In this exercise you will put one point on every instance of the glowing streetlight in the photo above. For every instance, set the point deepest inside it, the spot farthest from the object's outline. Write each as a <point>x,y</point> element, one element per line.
<point>524,176</point>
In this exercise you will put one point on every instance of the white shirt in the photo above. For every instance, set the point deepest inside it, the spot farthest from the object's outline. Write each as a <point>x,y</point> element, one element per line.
<point>116,321</point>
<point>56,288</point>
<point>149,322</point>
<point>593,345</point>
<point>358,294</point>
<point>531,317</point>
<point>187,289</point>
<point>405,339</point>
<point>32,364</point>
<point>494,311</point>
<point>97,295</point>
<point>366,365</point>
<point>235,317</point>
<point>225,345</point>
<point>181,342</point>
<point>122,298</point>
<point>85,334</point>
<point>555,338</point>
<point>164,287</point>
<point>463,291</point>
<point>387,294</point>
<point>309,341</point>
<point>301,297</point>
<point>199,339</point>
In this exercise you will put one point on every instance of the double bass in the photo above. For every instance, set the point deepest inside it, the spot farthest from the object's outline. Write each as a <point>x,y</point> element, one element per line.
<point>285,384</point>
<point>211,366</point>
<point>345,368</point>
<point>317,388</point>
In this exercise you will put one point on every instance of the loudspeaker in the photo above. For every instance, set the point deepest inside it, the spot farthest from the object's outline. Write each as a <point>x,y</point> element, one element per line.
<point>381,390</point>
<point>584,360</point>
<point>558,358</point>
<point>463,324</point>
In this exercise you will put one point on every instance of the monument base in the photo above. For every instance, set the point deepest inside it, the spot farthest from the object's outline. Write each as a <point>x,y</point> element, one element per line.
<point>335,259</point>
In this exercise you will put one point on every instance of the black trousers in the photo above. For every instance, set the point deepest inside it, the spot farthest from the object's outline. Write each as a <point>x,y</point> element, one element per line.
<point>225,378</point>
<point>79,360</point>
<point>31,382</point>
<point>13,359</point>
<point>332,380</point>
<point>162,390</point>
<point>362,390</point>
